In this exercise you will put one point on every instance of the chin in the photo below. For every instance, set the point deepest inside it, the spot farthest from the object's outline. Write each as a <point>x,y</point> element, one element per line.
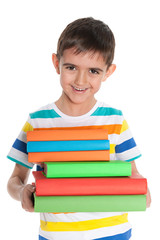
<point>78,98</point>
<point>77,102</point>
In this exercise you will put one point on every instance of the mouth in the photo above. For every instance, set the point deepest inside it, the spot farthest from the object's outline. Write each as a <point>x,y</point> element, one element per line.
<point>80,90</point>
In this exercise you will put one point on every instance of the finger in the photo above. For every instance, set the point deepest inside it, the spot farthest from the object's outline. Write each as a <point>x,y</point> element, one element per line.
<point>31,188</point>
<point>28,204</point>
<point>27,200</point>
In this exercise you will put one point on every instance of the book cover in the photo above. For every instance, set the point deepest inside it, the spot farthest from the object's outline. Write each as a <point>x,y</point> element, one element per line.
<point>63,146</point>
<point>88,186</point>
<point>65,134</point>
<point>103,203</point>
<point>87,169</point>
<point>69,156</point>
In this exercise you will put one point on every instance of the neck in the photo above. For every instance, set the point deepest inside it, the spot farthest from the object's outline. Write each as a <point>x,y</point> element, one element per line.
<point>74,109</point>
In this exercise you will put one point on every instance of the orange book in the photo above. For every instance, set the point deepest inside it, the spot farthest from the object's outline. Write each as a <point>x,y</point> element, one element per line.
<point>100,155</point>
<point>62,135</point>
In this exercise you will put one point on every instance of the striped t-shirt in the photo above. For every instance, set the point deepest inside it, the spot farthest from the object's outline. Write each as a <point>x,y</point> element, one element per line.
<point>82,225</point>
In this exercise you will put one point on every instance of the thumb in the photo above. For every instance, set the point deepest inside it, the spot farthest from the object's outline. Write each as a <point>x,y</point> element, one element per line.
<point>31,188</point>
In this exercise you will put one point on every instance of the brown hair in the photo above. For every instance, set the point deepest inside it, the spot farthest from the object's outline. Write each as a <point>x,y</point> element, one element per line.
<point>88,34</point>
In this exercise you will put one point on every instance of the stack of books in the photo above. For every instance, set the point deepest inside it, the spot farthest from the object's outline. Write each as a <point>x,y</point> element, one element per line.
<point>78,175</point>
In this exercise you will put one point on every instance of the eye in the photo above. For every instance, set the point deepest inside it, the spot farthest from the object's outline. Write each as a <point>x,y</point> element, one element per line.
<point>72,68</point>
<point>94,71</point>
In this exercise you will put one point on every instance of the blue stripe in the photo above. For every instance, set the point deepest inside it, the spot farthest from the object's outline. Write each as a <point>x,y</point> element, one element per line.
<point>65,146</point>
<point>125,146</point>
<point>105,111</point>
<point>122,236</point>
<point>44,114</point>
<point>38,168</point>
<point>42,238</point>
<point>19,145</point>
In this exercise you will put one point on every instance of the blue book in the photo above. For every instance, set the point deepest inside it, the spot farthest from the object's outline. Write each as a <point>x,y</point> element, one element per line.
<point>63,146</point>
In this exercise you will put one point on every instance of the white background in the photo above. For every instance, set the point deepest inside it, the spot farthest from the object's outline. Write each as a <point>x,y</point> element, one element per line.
<point>29,33</point>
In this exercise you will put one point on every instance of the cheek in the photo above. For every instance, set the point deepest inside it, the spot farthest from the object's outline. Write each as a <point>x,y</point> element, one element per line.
<point>65,79</point>
<point>96,85</point>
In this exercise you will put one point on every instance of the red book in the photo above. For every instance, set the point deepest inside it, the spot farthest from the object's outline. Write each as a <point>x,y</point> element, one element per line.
<point>89,186</point>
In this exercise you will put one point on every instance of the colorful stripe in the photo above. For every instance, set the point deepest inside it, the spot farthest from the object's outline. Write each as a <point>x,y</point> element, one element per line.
<point>19,145</point>
<point>16,161</point>
<point>45,114</point>
<point>90,121</point>
<point>84,225</point>
<point>19,157</point>
<point>27,127</point>
<point>124,126</point>
<point>106,111</point>
<point>121,236</point>
<point>119,230</point>
<point>125,146</point>
<point>42,238</point>
<point>112,148</point>
<point>128,155</point>
<point>112,128</point>
<point>132,159</point>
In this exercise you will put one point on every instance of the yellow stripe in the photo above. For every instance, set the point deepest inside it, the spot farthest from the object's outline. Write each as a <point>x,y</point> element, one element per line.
<point>124,126</point>
<point>27,127</point>
<point>112,148</point>
<point>84,225</point>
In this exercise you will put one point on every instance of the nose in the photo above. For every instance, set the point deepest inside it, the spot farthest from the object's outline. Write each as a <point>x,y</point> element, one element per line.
<point>81,78</point>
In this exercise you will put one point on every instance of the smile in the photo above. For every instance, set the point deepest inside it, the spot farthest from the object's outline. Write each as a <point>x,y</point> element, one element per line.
<point>79,89</point>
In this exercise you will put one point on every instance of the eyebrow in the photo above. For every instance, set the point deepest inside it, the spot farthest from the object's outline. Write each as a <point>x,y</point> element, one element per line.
<point>66,64</point>
<point>71,64</point>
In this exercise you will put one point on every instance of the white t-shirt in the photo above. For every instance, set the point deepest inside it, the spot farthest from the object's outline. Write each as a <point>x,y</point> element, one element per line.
<point>82,225</point>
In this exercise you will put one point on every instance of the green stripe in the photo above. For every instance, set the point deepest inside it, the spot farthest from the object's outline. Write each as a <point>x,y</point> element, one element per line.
<point>105,111</point>
<point>44,114</point>
<point>16,161</point>
<point>132,159</point>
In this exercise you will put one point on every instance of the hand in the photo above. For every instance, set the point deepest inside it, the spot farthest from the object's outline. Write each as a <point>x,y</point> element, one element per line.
<point>148,198</point>
<point>135,173</point>
<point>27,197</point>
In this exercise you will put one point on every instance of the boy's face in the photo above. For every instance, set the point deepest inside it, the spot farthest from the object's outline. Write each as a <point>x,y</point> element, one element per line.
<point>81,75</point>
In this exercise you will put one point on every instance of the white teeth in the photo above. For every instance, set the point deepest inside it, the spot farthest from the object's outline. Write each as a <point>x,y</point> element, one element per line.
<point>79,89</point>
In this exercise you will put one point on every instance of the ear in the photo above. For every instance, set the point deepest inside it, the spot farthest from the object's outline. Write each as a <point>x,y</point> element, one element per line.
<point>55,62</point>
<point>109,71</point>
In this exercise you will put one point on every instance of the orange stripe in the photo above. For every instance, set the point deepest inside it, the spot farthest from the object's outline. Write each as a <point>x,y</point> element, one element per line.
<point>112,129</point>
<point>35,157</point>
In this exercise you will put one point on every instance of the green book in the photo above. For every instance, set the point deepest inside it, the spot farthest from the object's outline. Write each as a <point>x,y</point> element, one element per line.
<point>103,203</point>
<point>87,169</point>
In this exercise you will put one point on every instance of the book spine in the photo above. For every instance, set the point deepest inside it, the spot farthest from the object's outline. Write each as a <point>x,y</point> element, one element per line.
<point>63,146</point>
<point>121,203</point>
<point>87,169</point>
<point>90,186</point>
<point>69,156</point>
<point>73,134</point>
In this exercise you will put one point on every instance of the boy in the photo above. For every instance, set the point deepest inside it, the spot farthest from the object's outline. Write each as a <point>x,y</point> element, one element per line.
<point>84,58</point>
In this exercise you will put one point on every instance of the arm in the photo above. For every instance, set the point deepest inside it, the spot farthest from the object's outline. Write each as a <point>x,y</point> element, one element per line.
<point>135,172</point>
<point>19,189</point>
